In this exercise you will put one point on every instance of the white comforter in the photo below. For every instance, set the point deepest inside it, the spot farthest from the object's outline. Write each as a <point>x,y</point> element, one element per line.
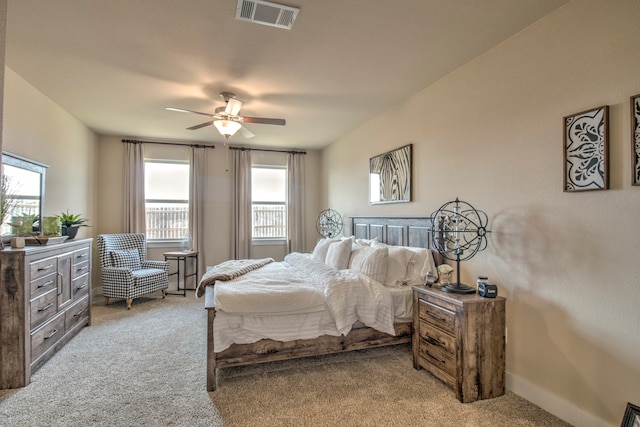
<point>301,285</point>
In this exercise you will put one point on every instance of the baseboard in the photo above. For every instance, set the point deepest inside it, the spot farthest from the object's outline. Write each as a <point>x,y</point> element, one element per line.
<point>553,404</point>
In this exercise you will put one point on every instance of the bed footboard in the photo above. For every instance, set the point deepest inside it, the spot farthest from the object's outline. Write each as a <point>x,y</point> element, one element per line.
<point>209,304</point>
<point>267,350</point>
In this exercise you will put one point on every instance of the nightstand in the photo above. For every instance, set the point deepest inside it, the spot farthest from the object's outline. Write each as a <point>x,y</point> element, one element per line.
<point>460,340</point>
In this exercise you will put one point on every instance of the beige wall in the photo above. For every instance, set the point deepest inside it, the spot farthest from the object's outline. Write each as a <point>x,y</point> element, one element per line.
<point>37,128</point>
<point>3,42</point>
<point>491,134</point>
<point>110,172</point>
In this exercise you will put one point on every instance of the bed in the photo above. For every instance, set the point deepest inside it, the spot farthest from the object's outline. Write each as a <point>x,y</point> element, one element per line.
<point>229,343</point>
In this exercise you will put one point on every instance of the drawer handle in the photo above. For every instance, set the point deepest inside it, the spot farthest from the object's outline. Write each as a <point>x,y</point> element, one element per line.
<point>433,341</point>
<point>45,308</point>
<point>45,284</point>
<point>55,331</point>
<point>442,319</point>
<point>81,256</point>
<point>80,313</point>
<point>435,358</point>
<point>46,267</point>
<point>82,268</point>
<point>81,287</point>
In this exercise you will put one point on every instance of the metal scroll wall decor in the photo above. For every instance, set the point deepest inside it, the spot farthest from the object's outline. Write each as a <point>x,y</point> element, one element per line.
<point>329,223</point>
<point>586,150</point>
<point>635,139</point>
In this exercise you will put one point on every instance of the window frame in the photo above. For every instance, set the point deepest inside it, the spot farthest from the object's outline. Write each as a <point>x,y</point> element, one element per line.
<point>151,242</point>
<point>266,241</point>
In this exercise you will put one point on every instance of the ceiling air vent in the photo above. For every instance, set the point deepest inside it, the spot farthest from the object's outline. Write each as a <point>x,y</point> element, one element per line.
<point>267,13</point>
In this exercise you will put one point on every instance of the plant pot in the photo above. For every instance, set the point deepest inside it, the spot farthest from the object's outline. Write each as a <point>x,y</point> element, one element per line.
<point>70,231</point>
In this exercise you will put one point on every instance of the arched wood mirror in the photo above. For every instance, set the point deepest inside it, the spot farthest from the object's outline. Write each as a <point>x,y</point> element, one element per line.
<point>23,180</point>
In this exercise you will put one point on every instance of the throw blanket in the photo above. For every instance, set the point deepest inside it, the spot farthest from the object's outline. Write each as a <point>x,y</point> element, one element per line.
<point>229,270</point>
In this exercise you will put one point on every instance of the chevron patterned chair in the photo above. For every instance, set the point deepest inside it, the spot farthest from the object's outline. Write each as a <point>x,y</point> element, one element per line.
<point>126,273</point>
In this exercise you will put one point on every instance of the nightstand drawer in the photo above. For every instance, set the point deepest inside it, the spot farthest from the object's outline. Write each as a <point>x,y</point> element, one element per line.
<point>438,338</point>
<point>437,316</point>
<point>439,358</point>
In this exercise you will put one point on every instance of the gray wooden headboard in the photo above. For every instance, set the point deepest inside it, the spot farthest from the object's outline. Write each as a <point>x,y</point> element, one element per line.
<point>397,231</point>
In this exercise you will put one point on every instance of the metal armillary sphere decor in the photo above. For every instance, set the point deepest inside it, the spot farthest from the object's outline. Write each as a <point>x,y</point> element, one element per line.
<point>459,232</point>
<point>329,223</point>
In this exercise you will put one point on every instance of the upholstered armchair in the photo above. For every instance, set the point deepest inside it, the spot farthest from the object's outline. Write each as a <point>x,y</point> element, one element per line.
<point>126,273</point>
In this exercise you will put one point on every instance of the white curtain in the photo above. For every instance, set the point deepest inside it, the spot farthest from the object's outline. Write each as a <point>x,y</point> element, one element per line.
<point>295,200</point>
<point>197,204</point>
<point>241,215</point>
<point>134,200</point>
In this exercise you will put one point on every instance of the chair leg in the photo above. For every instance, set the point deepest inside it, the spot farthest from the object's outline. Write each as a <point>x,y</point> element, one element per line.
<point>106,300</point>
<point>129,302</point>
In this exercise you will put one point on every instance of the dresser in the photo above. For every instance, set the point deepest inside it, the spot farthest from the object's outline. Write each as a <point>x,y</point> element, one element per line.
<point>460,339</point>
<point>45,299</point>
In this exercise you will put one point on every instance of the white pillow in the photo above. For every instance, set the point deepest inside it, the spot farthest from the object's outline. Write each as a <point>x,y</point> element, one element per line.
<point>370,261</point>
<point>399,259</point>
<point>320,251</point>
<point>339,253</point>
<point>420,265</point>
<point>366,242</point>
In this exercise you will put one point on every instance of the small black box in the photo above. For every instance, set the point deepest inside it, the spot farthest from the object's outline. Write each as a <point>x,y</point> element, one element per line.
<point>487,290</point>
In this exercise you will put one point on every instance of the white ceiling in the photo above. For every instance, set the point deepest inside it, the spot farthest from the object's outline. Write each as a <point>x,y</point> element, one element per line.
<point>116,64</point>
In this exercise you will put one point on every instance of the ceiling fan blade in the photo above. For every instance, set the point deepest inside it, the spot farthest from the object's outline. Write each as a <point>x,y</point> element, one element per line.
<point>182,110</point>
<point>201,125</point>
<point>264,121</point>
<point>246,132</point>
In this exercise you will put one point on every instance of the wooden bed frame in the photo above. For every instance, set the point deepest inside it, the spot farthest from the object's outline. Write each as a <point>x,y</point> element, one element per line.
<point>407,231</point>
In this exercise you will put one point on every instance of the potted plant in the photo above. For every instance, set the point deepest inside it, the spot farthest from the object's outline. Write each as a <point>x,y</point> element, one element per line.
<point>70,223</point>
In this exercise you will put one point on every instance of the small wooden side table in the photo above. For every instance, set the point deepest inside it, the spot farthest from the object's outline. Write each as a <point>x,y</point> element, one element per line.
<point>182,256</point>
<point>460,339</point>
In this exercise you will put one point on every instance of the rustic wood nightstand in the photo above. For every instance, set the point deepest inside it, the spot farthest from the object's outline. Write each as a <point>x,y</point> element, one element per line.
<point>461,340</point>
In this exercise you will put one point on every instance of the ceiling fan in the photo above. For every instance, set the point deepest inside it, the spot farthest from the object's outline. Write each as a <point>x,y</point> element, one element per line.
<point>227,119</point>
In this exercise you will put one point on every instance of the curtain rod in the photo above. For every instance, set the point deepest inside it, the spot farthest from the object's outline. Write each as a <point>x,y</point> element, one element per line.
<point>266,149</point>
<point>135,141</point>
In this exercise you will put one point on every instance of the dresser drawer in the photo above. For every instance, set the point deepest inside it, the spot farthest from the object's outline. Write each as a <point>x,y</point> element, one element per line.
<point>76,314</point>
<point>42,285</point>
<point>81,255</point>
<point>45,337</point>
<point>437,337</point>
<point>78,270</point>
<point>42,268</point>
<point>437,316</point>
<point>80,287</point>
<point>439,358</point>
<point>43,308</point>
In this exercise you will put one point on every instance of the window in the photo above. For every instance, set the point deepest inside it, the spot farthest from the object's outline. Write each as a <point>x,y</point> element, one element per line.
<point>166,188</point>
<point>269,203</point>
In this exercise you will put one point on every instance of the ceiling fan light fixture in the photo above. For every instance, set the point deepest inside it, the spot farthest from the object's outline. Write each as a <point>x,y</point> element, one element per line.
<point>227,128</point>
<point>233,106</point>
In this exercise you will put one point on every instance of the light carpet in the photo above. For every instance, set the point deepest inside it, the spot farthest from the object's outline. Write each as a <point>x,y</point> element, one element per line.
<point>146,367</point>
